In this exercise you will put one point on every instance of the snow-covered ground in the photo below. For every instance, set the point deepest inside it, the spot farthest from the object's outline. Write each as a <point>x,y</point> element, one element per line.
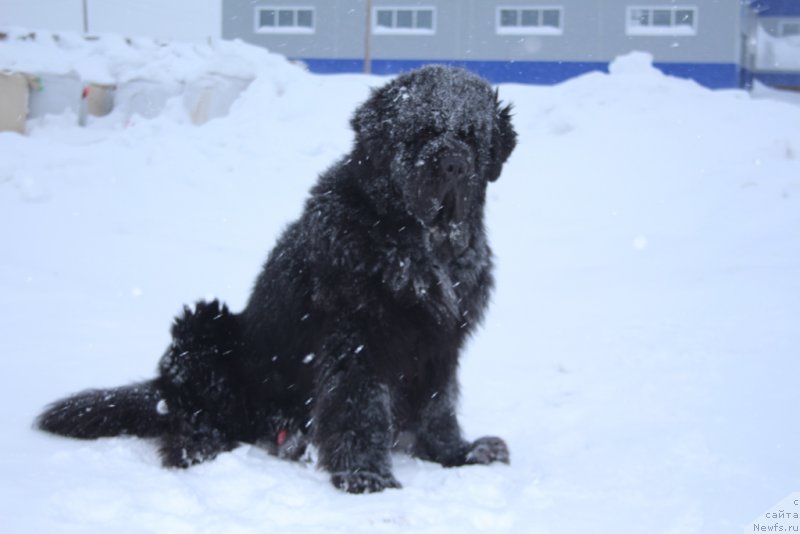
<point>640,355</point>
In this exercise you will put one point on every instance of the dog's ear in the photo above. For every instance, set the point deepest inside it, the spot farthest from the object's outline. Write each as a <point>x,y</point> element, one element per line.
<point>504,138</point>
<point>370,119</point>
<point>358,118</point>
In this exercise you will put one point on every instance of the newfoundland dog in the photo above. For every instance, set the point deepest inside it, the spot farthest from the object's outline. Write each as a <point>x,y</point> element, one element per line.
<point>352,334</point>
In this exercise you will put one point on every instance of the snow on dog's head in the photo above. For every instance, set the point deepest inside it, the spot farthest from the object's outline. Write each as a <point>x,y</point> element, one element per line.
<point>438,135</point>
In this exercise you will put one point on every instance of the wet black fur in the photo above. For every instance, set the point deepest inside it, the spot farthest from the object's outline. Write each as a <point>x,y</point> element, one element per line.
<point>354,327</point>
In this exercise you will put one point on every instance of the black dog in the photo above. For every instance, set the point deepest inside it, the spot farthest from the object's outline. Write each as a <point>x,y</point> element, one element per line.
<point>353,330</point>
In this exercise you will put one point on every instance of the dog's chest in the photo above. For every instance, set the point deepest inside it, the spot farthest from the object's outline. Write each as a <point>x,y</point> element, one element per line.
<point>435,271</point>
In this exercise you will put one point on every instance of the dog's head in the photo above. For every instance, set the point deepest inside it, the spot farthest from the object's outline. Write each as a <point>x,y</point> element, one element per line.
<point>438,135</point>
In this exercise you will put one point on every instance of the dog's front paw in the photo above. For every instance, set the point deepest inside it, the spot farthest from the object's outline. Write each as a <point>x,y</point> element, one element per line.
<point>487,450</point>
<point>363,482</point>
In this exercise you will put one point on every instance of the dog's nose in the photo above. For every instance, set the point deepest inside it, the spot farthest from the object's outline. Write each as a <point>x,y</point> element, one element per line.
<point>453,168</point>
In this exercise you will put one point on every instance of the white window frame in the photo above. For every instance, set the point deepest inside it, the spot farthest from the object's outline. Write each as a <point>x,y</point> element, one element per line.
<point>383,30</point>
<point>529,30</point>
<point>782,28</point>
<point>672,30</point>
<point>295,29</point>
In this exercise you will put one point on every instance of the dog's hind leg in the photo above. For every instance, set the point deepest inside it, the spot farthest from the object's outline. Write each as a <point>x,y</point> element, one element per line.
<point>193,442</point>
<point>206,411</point>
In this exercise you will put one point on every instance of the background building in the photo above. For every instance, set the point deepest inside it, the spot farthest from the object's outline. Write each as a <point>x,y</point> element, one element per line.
<point>774,41</point>
<point>719,43</point>
<point>528,41</point>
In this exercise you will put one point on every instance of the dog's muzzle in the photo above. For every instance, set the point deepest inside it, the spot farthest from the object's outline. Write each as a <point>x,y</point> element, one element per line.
<point>453,169</point>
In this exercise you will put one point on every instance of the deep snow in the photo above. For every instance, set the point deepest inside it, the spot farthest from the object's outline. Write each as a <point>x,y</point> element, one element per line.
<point>640,354</point>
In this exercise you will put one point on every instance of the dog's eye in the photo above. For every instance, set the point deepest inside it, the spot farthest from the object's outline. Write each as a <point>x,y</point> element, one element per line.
<point>428,134</point>
<point>468,136</point>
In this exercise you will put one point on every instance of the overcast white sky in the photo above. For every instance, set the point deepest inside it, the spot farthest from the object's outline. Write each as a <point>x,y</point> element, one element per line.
<point>166,19</point>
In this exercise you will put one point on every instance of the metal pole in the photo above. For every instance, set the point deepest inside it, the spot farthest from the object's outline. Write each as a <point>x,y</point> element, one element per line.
<point>85,18</point>
<point>367,34</point>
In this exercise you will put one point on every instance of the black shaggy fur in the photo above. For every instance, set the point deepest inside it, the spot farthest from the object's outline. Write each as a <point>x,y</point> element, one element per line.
<point>354,327</point>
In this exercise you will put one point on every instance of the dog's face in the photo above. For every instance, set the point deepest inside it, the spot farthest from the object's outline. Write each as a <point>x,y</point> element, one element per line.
<point>438,135</point>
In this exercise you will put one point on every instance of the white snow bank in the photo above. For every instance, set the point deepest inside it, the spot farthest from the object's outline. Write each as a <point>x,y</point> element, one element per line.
<point>634,64</point>
<point>111,58</point>
<point>760,90</point>
<point>146,74</point>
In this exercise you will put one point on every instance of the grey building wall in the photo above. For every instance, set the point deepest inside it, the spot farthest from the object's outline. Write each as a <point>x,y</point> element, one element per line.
<point>716,41</point>
<point>339,28</point>
<point>449,39</point>
<point>772,24</point>
<point>593,30</point>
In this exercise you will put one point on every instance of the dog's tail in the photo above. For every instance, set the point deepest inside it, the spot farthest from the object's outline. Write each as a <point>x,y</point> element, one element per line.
<point>135,410</point>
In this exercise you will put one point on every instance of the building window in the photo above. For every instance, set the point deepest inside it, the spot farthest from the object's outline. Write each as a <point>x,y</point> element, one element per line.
<point>274,19</point>
<point>661,20</point>
<point>789,28</point>
<point>404,20</point>
<point>522,20</point>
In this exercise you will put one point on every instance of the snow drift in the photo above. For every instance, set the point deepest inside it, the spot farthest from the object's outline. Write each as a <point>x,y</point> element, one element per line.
<point>143,76</point>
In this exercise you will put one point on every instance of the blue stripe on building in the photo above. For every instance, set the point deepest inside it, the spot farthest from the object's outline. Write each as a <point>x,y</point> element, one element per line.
<point>777,8</point>
<point>777,79</point>
<point>712,75</point>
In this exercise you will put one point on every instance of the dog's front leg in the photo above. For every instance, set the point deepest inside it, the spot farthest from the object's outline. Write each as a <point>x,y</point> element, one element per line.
<point>439,438</point>
<point>352,423</point>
